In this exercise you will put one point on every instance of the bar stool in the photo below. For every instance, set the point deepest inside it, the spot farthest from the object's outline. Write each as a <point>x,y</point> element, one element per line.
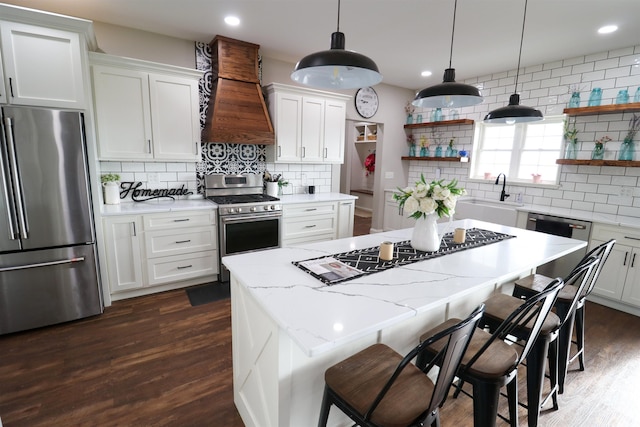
<point>531,284</point>
<point>490,363</point>
<point>554,330</point>
<point>378,387</point>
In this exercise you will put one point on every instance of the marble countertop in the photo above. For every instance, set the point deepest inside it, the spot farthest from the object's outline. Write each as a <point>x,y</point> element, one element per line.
<point>156,206</point>
<point>320,317</point>
<point>318,197</point>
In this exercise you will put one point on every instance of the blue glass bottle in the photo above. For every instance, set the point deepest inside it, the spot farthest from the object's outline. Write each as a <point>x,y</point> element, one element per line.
<point>636,97</point>
<point>574,101</point>
<point>412,150</point>
<point>438,151</point>
<point>438,115</point>
<point>623,97</point>
<point>595,98</point>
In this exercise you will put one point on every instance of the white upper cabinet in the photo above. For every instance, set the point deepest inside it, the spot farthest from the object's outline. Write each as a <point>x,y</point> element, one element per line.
<point>42,66</point>
<point>145,111</point>
<point>309,125</point>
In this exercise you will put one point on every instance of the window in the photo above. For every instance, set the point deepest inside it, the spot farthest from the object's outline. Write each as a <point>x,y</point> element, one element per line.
<point>519,150</point>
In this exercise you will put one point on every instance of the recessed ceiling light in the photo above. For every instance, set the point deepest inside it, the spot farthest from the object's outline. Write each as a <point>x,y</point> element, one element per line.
<point>234,21</point>
<point>426,73</point>
<point>607,29</point>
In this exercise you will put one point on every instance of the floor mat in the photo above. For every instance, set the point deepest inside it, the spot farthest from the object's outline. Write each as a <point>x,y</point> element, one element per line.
<point>210,292</point>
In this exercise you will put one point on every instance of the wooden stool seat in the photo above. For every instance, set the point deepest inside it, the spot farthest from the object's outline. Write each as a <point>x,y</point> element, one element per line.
<point>359,379</point>
<point>493,364</point>
<point>535,283</point>
<point>500,306</point>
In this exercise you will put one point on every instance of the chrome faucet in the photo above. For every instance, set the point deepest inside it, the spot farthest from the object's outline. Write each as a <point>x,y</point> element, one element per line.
<point>503,194</point>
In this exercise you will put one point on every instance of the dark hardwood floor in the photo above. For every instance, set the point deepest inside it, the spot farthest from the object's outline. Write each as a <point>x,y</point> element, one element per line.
<point>361,225</point>
<point>158,361</point>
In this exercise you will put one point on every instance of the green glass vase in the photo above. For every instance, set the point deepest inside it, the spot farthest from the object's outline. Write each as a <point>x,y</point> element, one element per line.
<point>627,150</point>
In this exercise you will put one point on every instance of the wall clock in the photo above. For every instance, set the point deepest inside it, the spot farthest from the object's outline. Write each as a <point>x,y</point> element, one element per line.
<point>366,102</point>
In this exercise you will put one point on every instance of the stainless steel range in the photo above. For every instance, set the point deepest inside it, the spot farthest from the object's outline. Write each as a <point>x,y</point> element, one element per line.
<point>247,219</point>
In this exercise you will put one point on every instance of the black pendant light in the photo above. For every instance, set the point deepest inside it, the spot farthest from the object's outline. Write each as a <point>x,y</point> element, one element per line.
<point>514,112</point>
<point>336,68</point>
<point>449,94</point>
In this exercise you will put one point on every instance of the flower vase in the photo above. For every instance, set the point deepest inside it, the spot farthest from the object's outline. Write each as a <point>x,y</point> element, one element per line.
<point>425,234</point>
<point>111,193</point>
<point>409,119</point>
<point>627,150</point>
<point>571,149</point>
<point>598,152</point>
<point>423,152</point>
<point>438,151</point>
<point>574,101</point>
<point>412,150</point>
<point>449,152</point>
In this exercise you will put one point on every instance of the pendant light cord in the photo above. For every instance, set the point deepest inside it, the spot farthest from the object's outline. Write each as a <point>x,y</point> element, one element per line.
<point>524,18</point>
<point>453,30</point>
<point>338,26</point>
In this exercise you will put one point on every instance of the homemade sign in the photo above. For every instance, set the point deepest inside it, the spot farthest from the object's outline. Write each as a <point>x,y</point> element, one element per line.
<point>143,194</point>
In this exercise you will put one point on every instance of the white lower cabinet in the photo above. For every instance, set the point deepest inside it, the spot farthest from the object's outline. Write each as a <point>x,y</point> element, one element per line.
<point>124,254</point>
<point>346,211</point>
<point>172,249</point>
<point>309,222</point>
<point>619,281</point>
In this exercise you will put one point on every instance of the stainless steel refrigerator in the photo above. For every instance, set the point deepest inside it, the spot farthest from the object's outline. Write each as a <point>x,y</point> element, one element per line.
<point>48,271</point>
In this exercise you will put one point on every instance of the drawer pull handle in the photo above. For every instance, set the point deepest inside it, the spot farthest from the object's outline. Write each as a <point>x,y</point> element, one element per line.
<point>633,260</point>
<point>181,220</point>
<point>183,241</point>
<point>311,209</point>
<point>309,226</point>
<point>626,254</point>
<point>632,238</point>
<point>182,267</point>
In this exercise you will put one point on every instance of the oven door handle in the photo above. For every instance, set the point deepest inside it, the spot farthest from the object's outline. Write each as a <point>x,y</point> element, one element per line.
<point>241,218</point>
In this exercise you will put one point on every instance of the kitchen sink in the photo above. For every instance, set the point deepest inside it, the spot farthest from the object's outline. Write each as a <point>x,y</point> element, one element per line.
<point>504,213</point>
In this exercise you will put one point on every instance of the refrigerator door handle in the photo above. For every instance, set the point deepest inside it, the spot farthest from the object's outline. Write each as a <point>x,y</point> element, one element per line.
<point>3,173</point>
<point>42,264</point>
<point>17,184</point>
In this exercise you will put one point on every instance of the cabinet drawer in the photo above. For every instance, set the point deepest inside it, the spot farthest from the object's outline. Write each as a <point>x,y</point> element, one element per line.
<point>308,239</point>
<point>175,242</point>
<point>303,227</point>
<point>179,219</point>
<point>309,209</point>
<point>623,236</point>
<point>182,267</point>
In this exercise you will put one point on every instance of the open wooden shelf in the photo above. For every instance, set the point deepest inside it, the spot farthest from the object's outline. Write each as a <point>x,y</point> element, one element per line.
<point>441,123</point>
<point>621,163</point>
<point>434,159</point>
<point>603,109</point>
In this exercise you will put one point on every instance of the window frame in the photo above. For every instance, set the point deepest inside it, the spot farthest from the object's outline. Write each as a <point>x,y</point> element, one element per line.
<point>520,131</point>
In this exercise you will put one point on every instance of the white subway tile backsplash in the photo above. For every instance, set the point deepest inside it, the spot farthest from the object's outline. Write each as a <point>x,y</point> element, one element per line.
<point>582,206</point>
<point>596,198</point>
<point>629,211</point>
<point>623,52</point>
<point>560,203</point>
<point>596,56</point>
<point>155,167</point>
<point>618,72</point>
<point>605,208</point>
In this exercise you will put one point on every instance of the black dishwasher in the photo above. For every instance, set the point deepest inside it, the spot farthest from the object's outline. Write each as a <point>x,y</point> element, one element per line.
<point>565,227</point>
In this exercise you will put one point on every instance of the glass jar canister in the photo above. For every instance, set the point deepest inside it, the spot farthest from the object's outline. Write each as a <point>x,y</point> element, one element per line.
<point>571,149</point>
<point>574,101</point>
<point>636,97</point>
<point>623,97</point>
<point>412,150</point>
<point>595,98</point>
<point>598,152</point>
<point>438,151</point>
<point>437,115</point>
<point>627,150</point>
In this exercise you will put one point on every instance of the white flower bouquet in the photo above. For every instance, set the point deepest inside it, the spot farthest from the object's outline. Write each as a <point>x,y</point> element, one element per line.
<point>425,199</point>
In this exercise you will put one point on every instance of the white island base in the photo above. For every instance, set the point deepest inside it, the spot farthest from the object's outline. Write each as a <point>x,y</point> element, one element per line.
<point>288,327</point>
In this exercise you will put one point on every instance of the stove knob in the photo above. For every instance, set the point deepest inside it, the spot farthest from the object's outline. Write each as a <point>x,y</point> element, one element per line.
<point>254,208</point>
<point>265,207</point>
<point>239,210</point>
<point>272,207</point>
<point>231,210</point>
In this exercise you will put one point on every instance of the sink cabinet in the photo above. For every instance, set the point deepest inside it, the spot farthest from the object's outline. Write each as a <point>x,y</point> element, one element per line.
<point>145,111</point>
<point>619,283</point>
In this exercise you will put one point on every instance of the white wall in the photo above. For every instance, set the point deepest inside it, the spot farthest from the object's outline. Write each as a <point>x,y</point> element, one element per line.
<point>588,188</point>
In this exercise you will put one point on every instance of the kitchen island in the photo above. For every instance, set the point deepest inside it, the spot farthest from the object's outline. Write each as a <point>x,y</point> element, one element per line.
<point>288,326</point>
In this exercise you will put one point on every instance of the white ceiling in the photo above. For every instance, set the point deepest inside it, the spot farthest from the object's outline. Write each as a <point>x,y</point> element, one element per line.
<point>404,37</point>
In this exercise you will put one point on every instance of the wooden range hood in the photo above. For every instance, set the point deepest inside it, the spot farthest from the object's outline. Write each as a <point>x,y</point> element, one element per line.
<point>237,112</point>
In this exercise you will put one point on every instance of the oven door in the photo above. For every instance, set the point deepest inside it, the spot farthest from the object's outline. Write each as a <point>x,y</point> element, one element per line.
<point>248,233</point>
